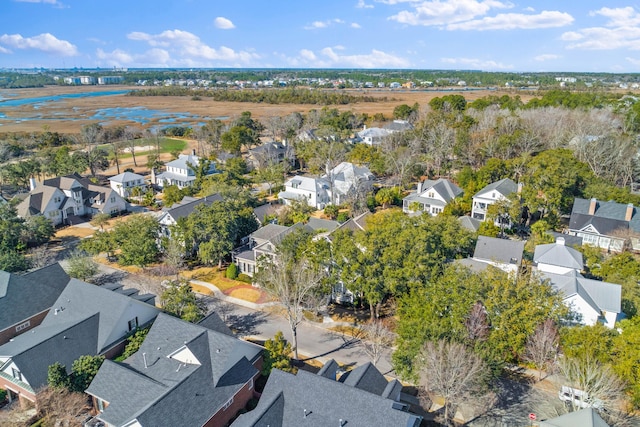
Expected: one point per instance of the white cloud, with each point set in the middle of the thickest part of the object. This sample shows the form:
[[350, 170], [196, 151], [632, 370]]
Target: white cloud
[[323, 24], [634, 61], [223, 23], [362, 5], [444, 12], [44, 42], [529, 9], [546, 57], [331, 57], [55, 3], [187, 49], [118, 58], [512, 21], [476, 63], [620, 31], [355, 25], [4, 50]]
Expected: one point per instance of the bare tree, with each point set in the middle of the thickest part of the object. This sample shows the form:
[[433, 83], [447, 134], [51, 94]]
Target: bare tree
[[450, 370], [542, 347], [591, 384], [61, 406], [375, 339], [41, 256], [294, 284], [130, 136], [477, 323]]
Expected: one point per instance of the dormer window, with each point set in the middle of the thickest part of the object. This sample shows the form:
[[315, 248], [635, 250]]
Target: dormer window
[[431, 195]]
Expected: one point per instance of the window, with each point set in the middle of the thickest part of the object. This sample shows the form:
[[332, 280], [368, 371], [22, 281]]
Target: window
[[22, 326], [251, 384], [133, 324], [113, 199], [16, 374], [431, 195], [436, 210], [226, 405], [100, 404]]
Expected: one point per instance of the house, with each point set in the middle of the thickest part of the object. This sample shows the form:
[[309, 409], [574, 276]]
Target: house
[[431, 196], [365, 398], [587, 417], [607, 225], [558, 258], [489, 195], [269, 153], [85, 320], [182, 375], [264, 213], [182, 171], [348, 179], [373, 136], [26, 299], [169, 216], [592, 300], [124, 183], [63, 198], [315, 191], [262, 242], [501, 253], [398, 126], [469, 223]]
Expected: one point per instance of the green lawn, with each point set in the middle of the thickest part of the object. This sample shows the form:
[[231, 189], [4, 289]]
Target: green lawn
[[167, 145]]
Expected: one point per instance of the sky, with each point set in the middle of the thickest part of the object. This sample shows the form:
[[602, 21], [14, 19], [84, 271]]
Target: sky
[[489, 35]]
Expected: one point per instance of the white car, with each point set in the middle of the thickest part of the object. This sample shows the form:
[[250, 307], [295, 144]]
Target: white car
[[578, 398]]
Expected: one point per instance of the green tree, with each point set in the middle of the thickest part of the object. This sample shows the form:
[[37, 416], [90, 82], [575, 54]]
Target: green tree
[[100, 220], [38, 230], [231, 272], [277, 355], [136, 238], [13, 261], [179, 300], [57, 376], [171, 194], [594, 341], [83, 370], [237, 137], [81, 265], [134, 342], [626, 357]]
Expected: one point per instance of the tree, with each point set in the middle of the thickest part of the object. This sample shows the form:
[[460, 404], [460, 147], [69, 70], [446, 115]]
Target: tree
[[375, 339], [626, 357], [597, 384], [100, 220], [134, 342], [171, 194], [57, 376], [81, 265], [277, 355], [136, 238], [542, 346], [451, 371], [83, 370], [38, 230], [237, 137], [179, 300], [477, 323], [59, 406], [294, 283]]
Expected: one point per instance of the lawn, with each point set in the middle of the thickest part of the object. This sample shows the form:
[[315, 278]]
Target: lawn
[[214, 276], [167, 145]]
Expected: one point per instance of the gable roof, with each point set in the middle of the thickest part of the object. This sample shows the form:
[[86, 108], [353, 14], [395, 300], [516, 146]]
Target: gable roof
[[318, 401], [445, 188], [126, 177], [322, 224], [469, 223], [607, 216], [558, 254], [587, 417], [24, 296], [505, 187], [268, 232], [181, 375], [601, 296], [366, 377], [188, 204], [499, 250]]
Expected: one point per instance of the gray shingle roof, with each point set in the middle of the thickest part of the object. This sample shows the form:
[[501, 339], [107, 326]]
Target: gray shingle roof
[[558, 254], [286, 397], [499, 250], [584, 418], [24, 296], [268, 232], [366, 377], [601, 296], [608, 216], [185, 208], [126, 177], [190, 371], [469, 223], [322, 224], [505, 187]]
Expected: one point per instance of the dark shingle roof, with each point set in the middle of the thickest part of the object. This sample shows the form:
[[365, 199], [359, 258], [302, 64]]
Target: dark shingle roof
[[24, 296], [191, 372], [286, 397], [587, 417], [366, 377], [181, 210], [499, 250], [608, 216]]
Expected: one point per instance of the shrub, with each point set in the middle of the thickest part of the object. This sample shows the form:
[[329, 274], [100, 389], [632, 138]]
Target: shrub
[[244, 278], [331, 211], [232, 271], [3, 395], [343, 217]]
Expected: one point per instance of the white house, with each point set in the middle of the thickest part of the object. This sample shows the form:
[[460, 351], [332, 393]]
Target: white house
[[504, 254], [124, 183], [557, 258], [181, 171], [62, 198], [315, 191], [373, 136], [348, 179], [431, 197], [489, 195], [170, 215], [592, 300]]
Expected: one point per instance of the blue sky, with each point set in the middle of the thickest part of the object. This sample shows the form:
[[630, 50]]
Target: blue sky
[[491, 35]]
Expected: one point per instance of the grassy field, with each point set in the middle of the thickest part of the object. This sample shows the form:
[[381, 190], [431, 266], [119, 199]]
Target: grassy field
[[167, 145]]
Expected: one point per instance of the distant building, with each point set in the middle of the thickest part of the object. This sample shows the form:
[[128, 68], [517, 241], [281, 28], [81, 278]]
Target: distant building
[[110, 80]]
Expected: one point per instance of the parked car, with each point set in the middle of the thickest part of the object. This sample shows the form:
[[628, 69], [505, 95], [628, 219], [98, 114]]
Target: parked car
[[578, 398]]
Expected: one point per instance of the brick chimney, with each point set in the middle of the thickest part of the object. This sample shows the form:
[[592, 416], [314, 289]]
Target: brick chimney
[[592, 206], [629, 213]]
